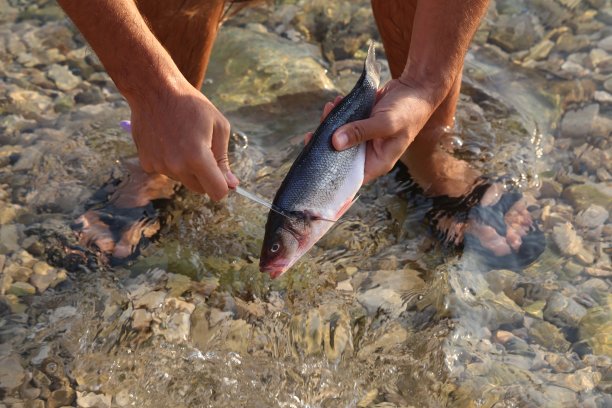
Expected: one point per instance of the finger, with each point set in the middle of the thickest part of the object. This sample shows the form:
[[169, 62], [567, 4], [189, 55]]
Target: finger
[[326, 109], [307, 137], [220, 143], [380, 159], [210, 176], [357, 132]]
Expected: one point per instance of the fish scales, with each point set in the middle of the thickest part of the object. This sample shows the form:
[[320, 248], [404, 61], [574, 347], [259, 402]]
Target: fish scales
[[320, 169], [321, 183]]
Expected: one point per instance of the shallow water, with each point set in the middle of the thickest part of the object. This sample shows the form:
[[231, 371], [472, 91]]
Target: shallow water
[[376, 314]]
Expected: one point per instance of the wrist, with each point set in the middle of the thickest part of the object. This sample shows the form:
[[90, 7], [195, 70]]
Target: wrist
[[430, 84]]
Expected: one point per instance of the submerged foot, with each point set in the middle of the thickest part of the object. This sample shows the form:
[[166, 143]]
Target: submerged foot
[[490, 222], [121, 215], [471, 212]]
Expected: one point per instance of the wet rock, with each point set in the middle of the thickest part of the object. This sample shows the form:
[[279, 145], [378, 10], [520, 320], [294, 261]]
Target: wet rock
[[548, 336], [93, 400], [602, 97], [21, 289], [12, 373], [559, 363], [596, 329], [599, 57], [42, 281], [141, 319], [268, 68], [63, 78], [536, 309], [29, 102], [386, 290], [514, 33], [61, 397], [608, 84], [151, 300], [594, 216], [599, 272], [566, 239], [392, 337], [550, 189], [581, 381], [540, 50], [8, 213], [37, 403], [567, 42], [29, 158], [561, 310], [581, 196], [579, 123], [511, 343], [178, 284], [9, 238]]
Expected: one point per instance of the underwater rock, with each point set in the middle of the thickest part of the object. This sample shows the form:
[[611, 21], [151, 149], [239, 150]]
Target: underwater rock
[[561, 310], [550, 189], [548, 336], [581, 196], [566, 238], [93, 400], [579, 123], [12, 373], [514, 33], [596, 328], [593, 217], [63, 78], [268, 68]]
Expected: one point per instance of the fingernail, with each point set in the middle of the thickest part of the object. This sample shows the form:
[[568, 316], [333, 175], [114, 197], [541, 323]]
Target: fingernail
[[231, 179], [341, 140]]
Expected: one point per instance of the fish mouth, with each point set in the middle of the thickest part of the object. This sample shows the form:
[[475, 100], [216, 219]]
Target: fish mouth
[[275, 269]]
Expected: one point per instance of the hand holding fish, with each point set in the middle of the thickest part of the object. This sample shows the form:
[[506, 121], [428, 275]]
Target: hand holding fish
[[401, 110]]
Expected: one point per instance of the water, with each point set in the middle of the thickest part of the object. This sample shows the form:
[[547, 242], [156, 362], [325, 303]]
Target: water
[[376, 314]]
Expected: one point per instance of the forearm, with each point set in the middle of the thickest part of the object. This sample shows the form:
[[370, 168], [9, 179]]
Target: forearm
[[136, 61], [441, 36]]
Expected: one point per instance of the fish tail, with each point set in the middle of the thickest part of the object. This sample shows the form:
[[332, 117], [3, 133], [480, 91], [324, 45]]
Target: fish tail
[[372, 68]]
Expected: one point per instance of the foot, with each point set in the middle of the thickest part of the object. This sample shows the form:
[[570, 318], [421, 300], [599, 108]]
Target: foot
[[121, 215], [469, 211]]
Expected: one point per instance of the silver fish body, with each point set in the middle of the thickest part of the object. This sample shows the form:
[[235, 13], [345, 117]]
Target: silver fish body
[[322, 182]]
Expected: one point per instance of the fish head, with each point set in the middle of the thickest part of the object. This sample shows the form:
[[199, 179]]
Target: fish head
[[285, 241]]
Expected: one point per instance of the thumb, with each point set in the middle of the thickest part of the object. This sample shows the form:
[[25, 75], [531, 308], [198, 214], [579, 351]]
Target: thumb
[[357, 132]]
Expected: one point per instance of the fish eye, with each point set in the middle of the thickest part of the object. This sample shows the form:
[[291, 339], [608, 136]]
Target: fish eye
[[275, 247]]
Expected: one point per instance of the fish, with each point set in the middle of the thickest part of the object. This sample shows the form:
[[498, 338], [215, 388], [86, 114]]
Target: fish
[[322, 182]]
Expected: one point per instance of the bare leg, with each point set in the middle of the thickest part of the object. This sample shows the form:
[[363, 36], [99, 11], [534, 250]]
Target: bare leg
[[187, 29], [436, 171]]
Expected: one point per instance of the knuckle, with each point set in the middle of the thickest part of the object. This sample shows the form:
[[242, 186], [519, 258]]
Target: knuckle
[[358, 134]]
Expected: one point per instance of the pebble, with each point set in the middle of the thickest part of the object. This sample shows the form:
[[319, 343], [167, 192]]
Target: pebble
[[566, 239], [63, 78], [578, 123], [594, 216], [61, 397], [548, 336], [561, 311], [550, 189], [581, 381], [141, 319], [93, 400], [602, 97], [22, 289], [12, 373], [151, 300], [9, 238], [581, 196]]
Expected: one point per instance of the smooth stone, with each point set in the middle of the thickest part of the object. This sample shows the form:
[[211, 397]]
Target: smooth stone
[[8, 212], [30, 157], [559, 363], [608, 85], [61, 313], [574, 68], [63, 78], [275, 67], [561, 310], [581, 196], [548, 336], [596, 329], [514, 33], [566, 239], [579, 123], [177, 284], [580, 381], [12, 373], [599, 272], [22, 289], [386, 290], [30, 102], [61, 397], [550, 189], [9, 238], [151, 300], [598, 57], [602, 97], [567, 42], [93, 400], [536, 309], [42, 282], [592, 217], [35, 403], [540, 50], [18, 273], [141, 319]]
